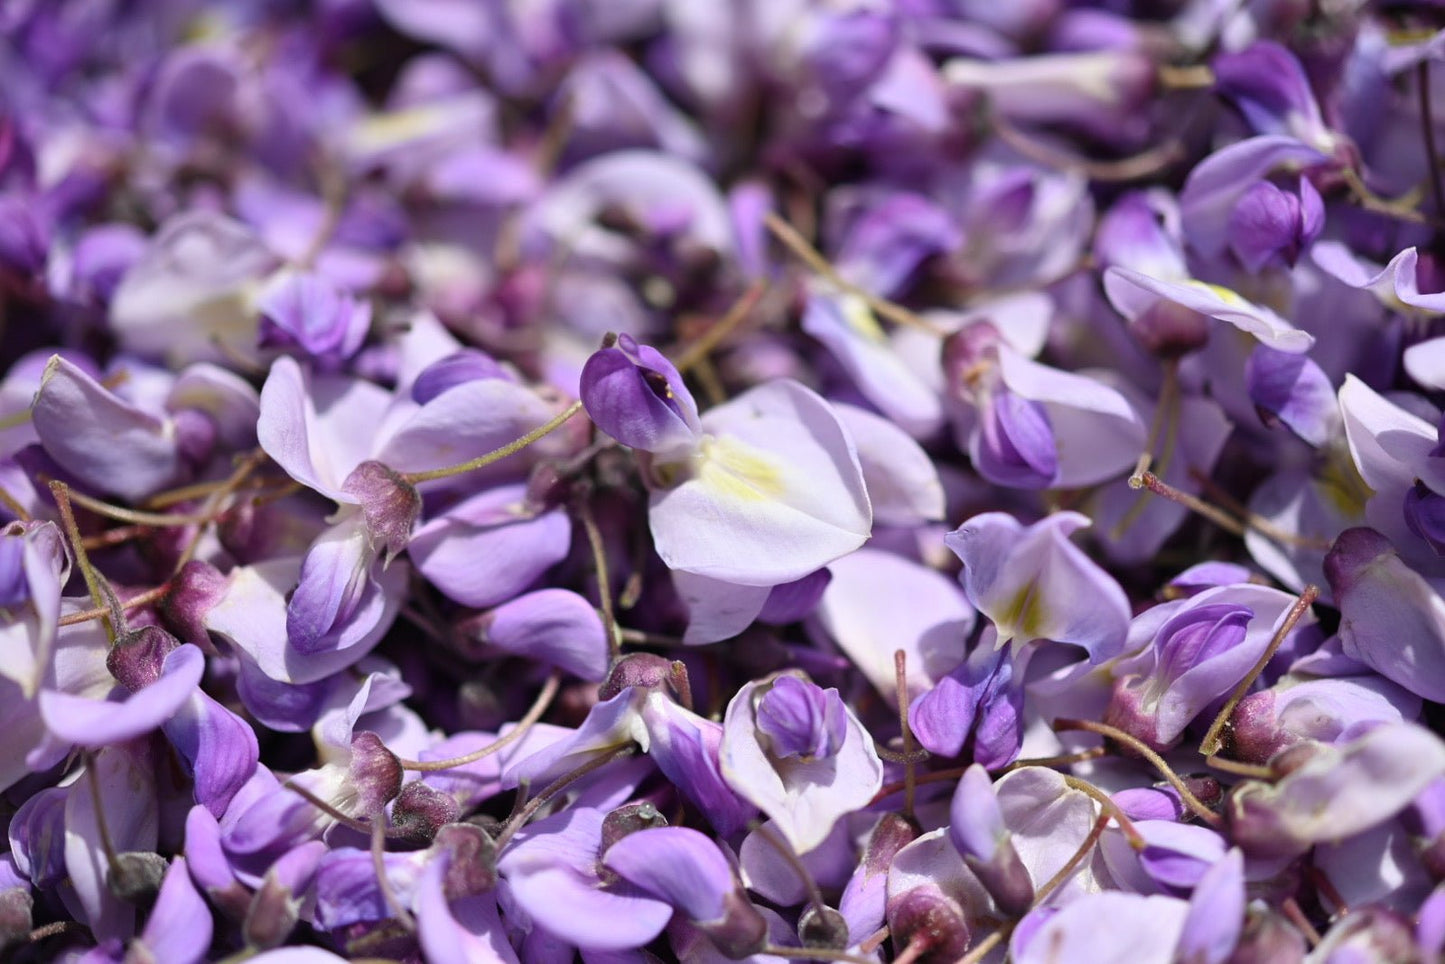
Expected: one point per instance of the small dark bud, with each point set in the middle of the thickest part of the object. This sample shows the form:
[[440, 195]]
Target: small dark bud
[[890, 835], [1006, 879], [420, 811], [473, 866], [823, 927], [628, 819], [925, 916], [195, 590], [375, 772], [389, 503], [644, 670], [743, 930], [547, 487], [136, 877], [16, 918], [138, 655]]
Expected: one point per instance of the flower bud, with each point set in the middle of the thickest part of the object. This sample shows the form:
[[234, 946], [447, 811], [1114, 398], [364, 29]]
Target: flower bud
[[800, 719], [823, 927], [473, 866], [135, 877], [924, 915], [194, 591], [628, 819], [375, 772], [420, 811], [635, 395], [389, 503], [643, 670], [138, 656]]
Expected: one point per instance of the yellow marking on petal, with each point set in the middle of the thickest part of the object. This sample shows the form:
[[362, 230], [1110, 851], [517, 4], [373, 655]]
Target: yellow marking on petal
[[737, 470], [1023, 617], [861, 320], [1230, 297], [381, 131]]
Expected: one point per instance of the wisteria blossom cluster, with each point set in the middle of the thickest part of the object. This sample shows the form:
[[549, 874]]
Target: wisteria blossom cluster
[[698, 480]]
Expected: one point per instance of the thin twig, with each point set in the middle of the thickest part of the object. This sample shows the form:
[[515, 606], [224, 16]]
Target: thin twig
[[533, 714], [496, 455], [519, 819], [700, 348], [810, 256], [1214, 739], [1110, 808], [900, 684], [1145, 751]]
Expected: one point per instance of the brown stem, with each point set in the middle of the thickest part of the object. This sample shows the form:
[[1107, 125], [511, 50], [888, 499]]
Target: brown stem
[[533, 714], [809, 255], [496, 455], [1152, 482], [900, 684], [1214, 739], [1139, 747], [1110, 808], [520, 818], [582, 507], [700, 348], [1067, 870]]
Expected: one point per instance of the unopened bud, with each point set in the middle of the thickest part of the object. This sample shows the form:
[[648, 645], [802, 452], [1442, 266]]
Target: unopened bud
[[136, 877], [420, 811], [473, 866], [138, 656], [375, 772], [823, 927]]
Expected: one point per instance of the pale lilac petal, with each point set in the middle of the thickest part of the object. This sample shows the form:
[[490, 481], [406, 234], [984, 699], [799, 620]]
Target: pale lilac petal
[[467, 421], [1216, 184], [1296, 390], [1096, 431], [491, 547], [335, 575], [104, 441], [127, 794], [679, 865], [96, 723], [463, 931], [1425, 362], [1390, 617], [780, 488], [552, 626], [879, 603], [1131, 292], [717, 610], [1396, 284], [803, 797], [847, 328], [313, 450], [1338, 792], [1107, 927], [1034, 583], [1216, 913], [179, 927], [226, 398], [902, 481], [192, 289]]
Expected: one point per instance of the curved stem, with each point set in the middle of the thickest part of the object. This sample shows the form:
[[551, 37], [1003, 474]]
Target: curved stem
[[900, 683], [383, 880], [981, 950], [810, 256], [1067, 870], [699, 349], [496, 455], [1159, 763], [520, 818], [1110, 808], [534, 713], [582, 506], [815, 896], [1214, 739], [95, 583]]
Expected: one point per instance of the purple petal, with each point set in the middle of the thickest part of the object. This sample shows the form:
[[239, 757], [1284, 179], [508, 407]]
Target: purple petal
[[104, 441], [218, 746], [554, 626], [779, 486], [179, 927], [636, 396], [96, 723], [1294, 388], [679, 865], [1216, 913]]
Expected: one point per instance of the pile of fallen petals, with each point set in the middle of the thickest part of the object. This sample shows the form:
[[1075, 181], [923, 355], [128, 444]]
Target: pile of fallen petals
[[695, 480]]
